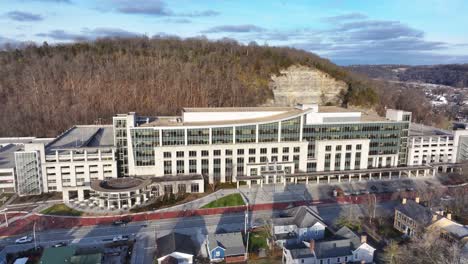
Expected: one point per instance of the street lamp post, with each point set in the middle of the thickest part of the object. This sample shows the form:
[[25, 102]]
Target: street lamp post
[[34, 235]]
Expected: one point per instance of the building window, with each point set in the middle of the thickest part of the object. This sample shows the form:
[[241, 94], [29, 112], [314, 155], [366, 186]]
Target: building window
[[167, 167], [252, 151], [263, 159], [251, 159], [240, 152], [192, 153], [179, 154], [358, 147], [285, 158], [194, 188], [246, 134], [181, 188], [263, 151], [296, 149], [274, 150], [338, 148], [222, 135], [328, 148], [180, 167], [228, 152], [204, 153], [193, 166], [217, 152], [285, 150], [198, 136], [205, 166], [167, 154], [349, 147], [253, 172]]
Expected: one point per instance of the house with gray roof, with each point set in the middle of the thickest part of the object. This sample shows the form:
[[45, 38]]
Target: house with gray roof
[[298, 225], [227, 247], [345, 246], [411, 217], [175, 248]]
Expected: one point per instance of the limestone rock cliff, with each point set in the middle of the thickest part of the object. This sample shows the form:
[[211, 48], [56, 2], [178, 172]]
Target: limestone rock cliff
[[301, 84]]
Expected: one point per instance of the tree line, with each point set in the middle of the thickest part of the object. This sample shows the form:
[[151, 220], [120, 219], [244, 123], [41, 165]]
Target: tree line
[[45, 89]]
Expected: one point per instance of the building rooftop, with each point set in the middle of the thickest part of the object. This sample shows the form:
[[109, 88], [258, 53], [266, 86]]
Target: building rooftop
[[83, 137], [175, 242], [178, 121], [341, 244], [458, 230], [7, 155], [232, 243], [119, 184], [423, 130], [416, 211], [301, 217], [278, 113], [237, 109]]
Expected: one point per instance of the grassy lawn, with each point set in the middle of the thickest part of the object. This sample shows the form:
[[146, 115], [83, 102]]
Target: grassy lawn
[[257, 240], [61, 209], [234, 199]]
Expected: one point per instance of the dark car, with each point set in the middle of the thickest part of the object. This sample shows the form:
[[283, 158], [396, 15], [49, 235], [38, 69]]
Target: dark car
[[120, 222]]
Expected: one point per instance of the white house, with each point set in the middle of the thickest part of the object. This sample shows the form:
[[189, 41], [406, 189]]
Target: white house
[[345, 246], [301, 224]]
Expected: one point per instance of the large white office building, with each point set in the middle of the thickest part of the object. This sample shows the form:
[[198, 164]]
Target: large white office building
[[256, 145]]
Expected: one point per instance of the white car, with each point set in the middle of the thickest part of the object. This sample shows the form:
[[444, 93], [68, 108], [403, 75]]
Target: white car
[[23, 240], [120, 238]]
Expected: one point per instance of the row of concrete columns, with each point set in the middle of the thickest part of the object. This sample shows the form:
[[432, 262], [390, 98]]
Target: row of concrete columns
[[328, 178]]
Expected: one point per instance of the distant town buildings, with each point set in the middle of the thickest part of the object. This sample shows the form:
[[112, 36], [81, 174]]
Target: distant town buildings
[[136, 158]]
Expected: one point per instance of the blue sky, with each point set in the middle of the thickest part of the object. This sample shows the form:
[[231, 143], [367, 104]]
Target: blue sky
[[346, 32]]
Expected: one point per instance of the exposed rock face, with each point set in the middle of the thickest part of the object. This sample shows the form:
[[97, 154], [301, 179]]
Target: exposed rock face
[[300, 84]]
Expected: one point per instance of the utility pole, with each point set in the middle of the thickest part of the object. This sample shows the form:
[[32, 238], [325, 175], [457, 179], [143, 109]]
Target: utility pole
[[247, 234], [34, 235]]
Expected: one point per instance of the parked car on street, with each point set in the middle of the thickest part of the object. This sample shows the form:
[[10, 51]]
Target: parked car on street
[[23, 240], [59, 244], [120, 238]]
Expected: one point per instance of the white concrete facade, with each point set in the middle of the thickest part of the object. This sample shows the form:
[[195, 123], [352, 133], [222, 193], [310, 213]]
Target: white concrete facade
[[7, 180]]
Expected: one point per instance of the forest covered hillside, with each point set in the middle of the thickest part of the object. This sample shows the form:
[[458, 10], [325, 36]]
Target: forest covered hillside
[[46, 89]]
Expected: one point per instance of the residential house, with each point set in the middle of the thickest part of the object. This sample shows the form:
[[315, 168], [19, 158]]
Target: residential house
[[450, 230], [345, 246], [411, 217], [300, 224], [228, 247], [175, 248]]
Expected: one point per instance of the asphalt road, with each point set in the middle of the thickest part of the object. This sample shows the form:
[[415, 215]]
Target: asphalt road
[[145, 233]]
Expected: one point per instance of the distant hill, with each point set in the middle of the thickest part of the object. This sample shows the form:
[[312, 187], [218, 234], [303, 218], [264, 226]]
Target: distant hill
[[455, 75], [46, 89]]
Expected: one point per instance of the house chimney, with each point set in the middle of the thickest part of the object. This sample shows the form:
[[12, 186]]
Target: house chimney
[[403, 201], [449, 216], [363, 239], [416, 199], [312, 246]]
